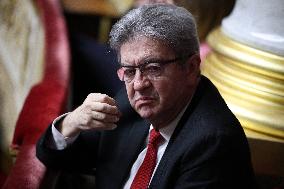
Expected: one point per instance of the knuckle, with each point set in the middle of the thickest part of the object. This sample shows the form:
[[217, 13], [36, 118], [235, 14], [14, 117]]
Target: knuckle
[[97, 124], [92, 94], [89, 95], [97, 115], [87, 106], [104, 97], [103, 116], [104, 108], [101, 107], [92, 97]]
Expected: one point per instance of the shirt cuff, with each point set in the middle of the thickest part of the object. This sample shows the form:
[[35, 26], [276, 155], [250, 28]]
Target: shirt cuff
[[59, 141]]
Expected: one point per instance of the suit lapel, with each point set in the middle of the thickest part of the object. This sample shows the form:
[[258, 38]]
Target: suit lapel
[[177, 139], [132, 145]]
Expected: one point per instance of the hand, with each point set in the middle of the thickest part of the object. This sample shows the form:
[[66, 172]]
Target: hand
[[98, 112]]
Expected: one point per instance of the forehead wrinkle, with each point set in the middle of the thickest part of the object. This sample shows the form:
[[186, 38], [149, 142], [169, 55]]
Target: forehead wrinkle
[[150, 49]]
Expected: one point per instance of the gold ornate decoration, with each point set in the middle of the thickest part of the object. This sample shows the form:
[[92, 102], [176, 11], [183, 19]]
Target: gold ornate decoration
[[251, 82], [109, 8]]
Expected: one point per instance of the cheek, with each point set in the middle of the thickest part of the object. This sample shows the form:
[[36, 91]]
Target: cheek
[[130, 94], [165, 98], [169, 91], [164, 91]]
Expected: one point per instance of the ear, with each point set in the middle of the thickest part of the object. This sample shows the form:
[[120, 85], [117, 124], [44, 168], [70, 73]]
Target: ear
[[120, 73], [193, 65]]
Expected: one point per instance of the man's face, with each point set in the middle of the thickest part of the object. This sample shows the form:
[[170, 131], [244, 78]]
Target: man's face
[[159, 100]]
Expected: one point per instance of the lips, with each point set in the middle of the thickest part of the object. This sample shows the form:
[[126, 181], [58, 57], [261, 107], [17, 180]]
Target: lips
[[141, 101]]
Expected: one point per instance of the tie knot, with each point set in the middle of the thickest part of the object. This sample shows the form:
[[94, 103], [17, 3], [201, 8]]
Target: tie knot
[[155, 137]]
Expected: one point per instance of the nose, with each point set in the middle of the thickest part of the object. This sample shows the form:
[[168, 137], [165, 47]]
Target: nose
[[140, 82]]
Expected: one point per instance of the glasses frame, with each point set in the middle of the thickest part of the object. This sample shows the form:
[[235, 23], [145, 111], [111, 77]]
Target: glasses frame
[[120, 71]]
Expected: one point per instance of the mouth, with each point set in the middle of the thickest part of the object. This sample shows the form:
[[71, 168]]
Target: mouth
[[142, 101]]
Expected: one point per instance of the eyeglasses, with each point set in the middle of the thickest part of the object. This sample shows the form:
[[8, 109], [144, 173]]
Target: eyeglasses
[[151, 70]]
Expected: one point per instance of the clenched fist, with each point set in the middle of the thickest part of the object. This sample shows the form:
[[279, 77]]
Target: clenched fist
[[98, 112]]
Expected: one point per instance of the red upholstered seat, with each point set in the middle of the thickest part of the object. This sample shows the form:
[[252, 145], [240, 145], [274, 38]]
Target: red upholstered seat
[[44, 102]]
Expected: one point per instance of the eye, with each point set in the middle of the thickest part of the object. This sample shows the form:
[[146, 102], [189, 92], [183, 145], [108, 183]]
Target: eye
[[129, 72], [152, 68]]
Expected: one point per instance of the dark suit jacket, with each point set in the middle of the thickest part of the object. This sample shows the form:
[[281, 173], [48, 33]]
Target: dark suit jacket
[[208, 148]]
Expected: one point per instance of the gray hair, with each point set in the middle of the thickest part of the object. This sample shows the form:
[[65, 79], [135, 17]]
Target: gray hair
[[170, 24]]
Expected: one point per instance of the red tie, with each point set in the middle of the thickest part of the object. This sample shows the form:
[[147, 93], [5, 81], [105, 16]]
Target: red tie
[[144, 173]]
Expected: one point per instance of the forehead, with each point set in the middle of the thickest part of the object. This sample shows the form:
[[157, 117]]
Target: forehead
[[142, 49]]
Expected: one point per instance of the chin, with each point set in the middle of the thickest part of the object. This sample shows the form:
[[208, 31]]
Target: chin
[[146, 112]]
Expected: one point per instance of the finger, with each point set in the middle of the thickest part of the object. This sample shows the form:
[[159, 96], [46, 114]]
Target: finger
[[98, 125], [105, 108], [106, 118], [98, 97], [88, 123]]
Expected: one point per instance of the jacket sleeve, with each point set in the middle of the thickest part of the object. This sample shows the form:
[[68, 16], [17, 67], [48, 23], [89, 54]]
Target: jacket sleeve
[[79, 156]]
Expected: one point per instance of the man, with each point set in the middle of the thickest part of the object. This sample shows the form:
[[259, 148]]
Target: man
[[184, 137]]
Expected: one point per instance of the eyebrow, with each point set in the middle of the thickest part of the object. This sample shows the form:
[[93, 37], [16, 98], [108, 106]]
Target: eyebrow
[[150, 60]]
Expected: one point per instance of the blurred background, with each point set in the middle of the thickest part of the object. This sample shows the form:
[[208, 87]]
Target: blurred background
[[54, 53]]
